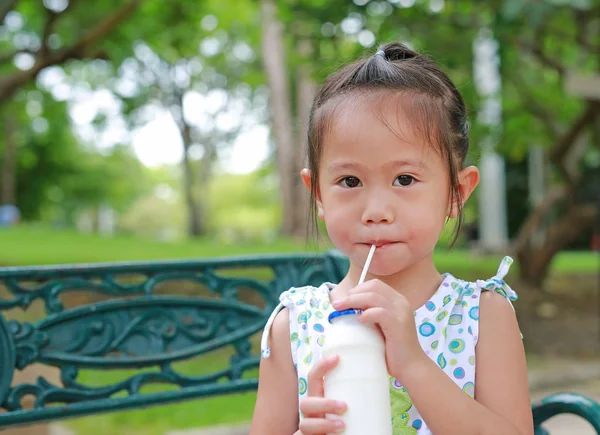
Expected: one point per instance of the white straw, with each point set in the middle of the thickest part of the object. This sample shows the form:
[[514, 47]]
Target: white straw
[[367, 263]]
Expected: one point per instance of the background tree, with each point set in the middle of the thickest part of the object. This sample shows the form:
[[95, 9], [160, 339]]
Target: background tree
[[545, 43]]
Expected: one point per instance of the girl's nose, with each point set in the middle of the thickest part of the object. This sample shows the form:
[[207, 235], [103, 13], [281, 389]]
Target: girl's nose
[[378, 211]]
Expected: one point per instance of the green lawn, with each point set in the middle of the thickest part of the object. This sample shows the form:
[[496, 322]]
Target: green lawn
[[158, 420], [38, 245], [33, 245]]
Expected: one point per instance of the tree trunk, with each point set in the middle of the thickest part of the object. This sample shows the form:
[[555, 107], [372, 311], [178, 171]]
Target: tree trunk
[[195, 221], [207, 163], [534, 261], [273, 56], [305, 92], [9, 160]]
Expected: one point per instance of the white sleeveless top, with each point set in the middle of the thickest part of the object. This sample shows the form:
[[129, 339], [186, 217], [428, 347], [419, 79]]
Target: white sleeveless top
[[447, 329]]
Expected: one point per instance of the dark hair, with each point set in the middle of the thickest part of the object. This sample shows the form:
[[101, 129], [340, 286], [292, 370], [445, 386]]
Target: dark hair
[[436, 106]]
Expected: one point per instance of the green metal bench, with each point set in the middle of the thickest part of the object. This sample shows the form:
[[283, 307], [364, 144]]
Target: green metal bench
[[144, 320]]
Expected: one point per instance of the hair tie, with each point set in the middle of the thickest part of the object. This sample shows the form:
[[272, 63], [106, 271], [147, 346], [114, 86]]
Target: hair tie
[[380, 53]]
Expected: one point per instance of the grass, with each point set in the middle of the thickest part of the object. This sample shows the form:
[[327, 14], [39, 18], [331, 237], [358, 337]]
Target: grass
[[585, 262], [36, 245], [158, 420], [27, 245]]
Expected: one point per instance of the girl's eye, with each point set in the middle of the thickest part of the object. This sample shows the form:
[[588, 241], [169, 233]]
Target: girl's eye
[[404, 180], [350, 182]]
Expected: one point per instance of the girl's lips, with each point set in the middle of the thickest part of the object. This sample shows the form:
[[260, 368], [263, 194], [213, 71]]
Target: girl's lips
[[381, 244]]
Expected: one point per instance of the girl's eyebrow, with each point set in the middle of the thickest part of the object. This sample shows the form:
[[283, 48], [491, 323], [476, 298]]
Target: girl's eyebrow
[[391, 164], [344, 165]]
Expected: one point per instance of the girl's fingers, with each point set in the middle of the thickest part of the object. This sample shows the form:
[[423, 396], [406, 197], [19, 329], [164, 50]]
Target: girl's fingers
[[383, 294], [317, 407], [374, 286], [320, 426], [381, 317], [317, 373], [362, 301]]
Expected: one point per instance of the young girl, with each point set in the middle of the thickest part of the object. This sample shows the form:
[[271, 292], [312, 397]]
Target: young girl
[[387, 141]]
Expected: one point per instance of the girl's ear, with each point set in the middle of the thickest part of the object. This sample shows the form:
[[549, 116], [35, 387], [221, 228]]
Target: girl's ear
[[307, 180], [468, 179]]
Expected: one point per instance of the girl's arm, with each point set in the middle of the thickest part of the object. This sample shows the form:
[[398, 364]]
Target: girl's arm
[[502, 405], [501, 383], [276, 409]]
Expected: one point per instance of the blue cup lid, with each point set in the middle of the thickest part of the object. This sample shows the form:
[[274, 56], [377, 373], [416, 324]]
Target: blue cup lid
[[337, 314]]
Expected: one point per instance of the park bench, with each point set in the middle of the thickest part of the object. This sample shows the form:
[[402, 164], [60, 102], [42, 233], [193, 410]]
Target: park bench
[[145, 319]]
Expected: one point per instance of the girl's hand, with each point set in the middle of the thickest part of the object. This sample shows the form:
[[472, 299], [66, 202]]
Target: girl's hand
[[315, 406], [388, 309]]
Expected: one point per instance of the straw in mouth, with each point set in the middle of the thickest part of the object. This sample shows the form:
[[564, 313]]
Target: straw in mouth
[[367, 264]]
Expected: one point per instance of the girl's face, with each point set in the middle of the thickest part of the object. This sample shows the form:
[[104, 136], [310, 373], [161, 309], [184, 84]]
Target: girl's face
[[384, 185]]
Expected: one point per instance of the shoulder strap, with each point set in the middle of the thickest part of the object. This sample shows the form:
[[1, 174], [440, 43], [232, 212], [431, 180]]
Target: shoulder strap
[[497, 283], [287, 299], [265, 350]]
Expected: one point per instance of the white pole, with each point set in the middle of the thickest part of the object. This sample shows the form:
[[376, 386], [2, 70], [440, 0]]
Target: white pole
[[492, 195]]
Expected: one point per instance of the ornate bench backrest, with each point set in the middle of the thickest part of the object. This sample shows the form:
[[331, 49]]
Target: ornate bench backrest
[[138, 319]]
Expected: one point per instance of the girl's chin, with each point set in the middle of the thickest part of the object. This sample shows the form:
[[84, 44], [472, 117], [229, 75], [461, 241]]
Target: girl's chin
[[382, 267], [384, 271]]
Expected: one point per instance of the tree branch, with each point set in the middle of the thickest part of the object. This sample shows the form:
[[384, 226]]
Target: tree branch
[[545, 60], [559, 151], [579, 37], [540, 111], [537, 49], [542, 58], [535, 218], [51, 18], [106, 26], [8, 6], [582, 19], [576, 220], [80, 50], [596, 134], [564, 143], [566, 230]]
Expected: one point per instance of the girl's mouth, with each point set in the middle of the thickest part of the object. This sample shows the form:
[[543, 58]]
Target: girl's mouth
[[381, 244]]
